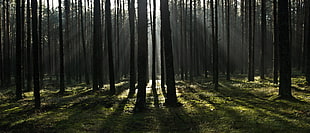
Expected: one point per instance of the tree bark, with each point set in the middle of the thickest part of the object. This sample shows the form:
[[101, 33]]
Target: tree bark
[[18, 52], [284, 47], [35, 50], [131, 9], [142, 55], [165, 20], [61, 52], [109, 41]]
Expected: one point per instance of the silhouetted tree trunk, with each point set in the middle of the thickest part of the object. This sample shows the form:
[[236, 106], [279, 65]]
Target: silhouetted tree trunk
[[67, 41], [6, 47], [1, 63], [97, 47], [242, 34], [29, 68], [275, 43], [214, 24], [204, 39], [285, 52], [251, 52], [307, 36], [35, 50], [142, 54], [84, 44], [263, 26], [131, 9], [41, 74], [191, 43], [18, 52], [49, 39], [228, 38], [61, 52], [165, 20], [154, 51], [109, 41]]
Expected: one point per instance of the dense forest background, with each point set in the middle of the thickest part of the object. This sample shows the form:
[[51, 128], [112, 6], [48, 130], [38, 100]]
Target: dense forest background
[[171, 60]]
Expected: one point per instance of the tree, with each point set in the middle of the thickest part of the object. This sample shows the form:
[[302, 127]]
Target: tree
[[165, 20], [35, 50], [154, 51], [275, 43], [61, 52], [228, 38], [83, 43], [67, 41], [1, 63], [285, 52], [307, 28], [251, 46], [131, 9], [109, 41], [142, 55], [18, 79], [97, 45], [29, 68], [262, 53], [214, 26]]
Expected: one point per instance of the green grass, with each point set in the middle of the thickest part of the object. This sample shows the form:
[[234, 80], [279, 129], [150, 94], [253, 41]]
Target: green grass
[[237, 106]]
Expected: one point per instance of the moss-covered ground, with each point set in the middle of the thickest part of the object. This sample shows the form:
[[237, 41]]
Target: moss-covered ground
[[237, 106]]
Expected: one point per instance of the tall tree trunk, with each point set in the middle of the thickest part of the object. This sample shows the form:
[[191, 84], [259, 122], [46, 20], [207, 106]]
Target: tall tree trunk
[[109, 41], [307, 36], [41, 74], [84, 44], [228, 38], [263, 26], [67, 41], [61, 52], [204, 39], [214, 10], [191, 41], [165, 20], [1, 63], [131, 9], [154, 54], [49, 40], [275, 43], [142, 54], [35, 50], [29, 68], [250, 63], [18, 52], [284, 47], [97, 47]]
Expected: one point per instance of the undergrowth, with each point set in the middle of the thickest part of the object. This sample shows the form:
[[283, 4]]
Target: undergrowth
[[237, 106]]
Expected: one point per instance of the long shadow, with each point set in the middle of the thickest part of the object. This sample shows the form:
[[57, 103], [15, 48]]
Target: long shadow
[[240, 121]]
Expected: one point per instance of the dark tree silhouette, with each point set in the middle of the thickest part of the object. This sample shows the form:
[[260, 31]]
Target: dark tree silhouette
[[83, 43], [108, 24], [165, 20], [97, 45], [263, 31], [18, 79], [29, 68], [275, 43], [131, 9], [285, 52], [35, 50], [251, 45], [61, 52], [228, 39], [307, 29], [142, 54]]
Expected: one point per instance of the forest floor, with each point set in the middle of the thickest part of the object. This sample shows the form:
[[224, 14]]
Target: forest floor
[[237, 106]]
